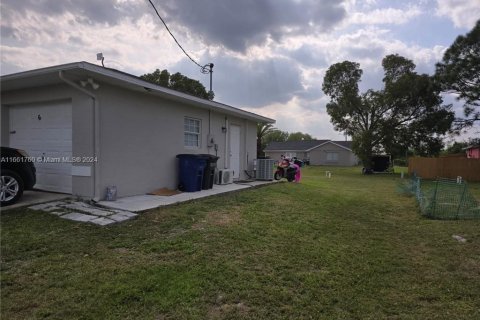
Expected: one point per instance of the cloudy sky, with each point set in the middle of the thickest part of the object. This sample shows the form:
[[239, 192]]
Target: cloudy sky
[[270, 56]]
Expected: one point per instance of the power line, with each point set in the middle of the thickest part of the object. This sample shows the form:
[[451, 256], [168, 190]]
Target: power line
[[201, 67], [206, 69]]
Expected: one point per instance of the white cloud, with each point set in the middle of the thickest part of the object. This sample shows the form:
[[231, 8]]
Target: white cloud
[[385, 16], [133, 46], [463, 13]]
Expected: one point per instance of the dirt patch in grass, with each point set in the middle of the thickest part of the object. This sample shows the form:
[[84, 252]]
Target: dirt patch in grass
[[470, 267], [122, 250], [221, 218], [225, 309]]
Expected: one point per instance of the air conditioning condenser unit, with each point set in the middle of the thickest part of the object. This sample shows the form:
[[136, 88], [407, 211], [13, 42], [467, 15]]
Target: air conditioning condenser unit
[[224, 176], [264, 169]]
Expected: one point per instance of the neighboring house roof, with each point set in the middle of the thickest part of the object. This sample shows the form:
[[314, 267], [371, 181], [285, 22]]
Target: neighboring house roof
[[345, 144], [305, 145], [79, 70], [302, 145]]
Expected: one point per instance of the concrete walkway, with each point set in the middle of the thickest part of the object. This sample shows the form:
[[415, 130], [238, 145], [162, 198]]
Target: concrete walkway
[[108, 212], [83, 212], [146, 202]]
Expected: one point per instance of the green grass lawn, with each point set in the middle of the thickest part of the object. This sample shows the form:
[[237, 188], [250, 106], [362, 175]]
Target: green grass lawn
[[349, 247]]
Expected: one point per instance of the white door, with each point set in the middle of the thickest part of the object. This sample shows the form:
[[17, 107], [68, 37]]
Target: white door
[[235, 150], [44, 130]]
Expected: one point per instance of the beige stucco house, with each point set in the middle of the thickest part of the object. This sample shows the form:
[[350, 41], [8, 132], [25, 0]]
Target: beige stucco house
[[89, 127], [318, 152]]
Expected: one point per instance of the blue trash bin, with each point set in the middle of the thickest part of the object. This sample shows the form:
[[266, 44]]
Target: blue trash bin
[[191, 171]]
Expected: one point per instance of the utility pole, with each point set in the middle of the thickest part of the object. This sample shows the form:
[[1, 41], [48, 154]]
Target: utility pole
[[208, 68]]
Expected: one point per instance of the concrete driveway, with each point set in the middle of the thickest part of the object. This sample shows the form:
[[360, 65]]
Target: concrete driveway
[[32, 197]]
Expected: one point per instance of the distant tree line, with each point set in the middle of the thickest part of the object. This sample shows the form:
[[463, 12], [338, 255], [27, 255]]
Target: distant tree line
[[267, 133], [460, 146]]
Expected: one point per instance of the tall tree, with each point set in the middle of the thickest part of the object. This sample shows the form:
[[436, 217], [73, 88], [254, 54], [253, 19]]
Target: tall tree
[[263, 129], [276, 135], [178, 82], [456, 147], [272, 135], [161, 78], [408, 110], [459, 73]]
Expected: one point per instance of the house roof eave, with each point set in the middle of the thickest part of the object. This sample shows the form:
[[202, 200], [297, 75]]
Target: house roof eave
[[14, 81], [266, 150]]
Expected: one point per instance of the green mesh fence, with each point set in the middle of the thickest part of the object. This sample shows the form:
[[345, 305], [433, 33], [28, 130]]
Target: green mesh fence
[[442, 199]]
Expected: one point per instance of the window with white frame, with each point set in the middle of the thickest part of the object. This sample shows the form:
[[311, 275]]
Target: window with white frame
[[332, 156], [191, 128]]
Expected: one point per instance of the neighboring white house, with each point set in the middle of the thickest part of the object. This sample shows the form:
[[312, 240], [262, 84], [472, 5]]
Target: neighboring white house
[[90, 127], [318, 152]]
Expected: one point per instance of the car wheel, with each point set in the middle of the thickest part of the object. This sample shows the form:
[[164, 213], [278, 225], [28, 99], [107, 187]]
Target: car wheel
[[277, 176], [11, 187]]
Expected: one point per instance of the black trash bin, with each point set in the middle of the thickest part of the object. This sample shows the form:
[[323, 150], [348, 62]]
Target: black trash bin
[[380, 163], [209, 171]]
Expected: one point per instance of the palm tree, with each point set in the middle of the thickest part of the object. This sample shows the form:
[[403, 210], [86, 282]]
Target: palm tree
[[262, 130]]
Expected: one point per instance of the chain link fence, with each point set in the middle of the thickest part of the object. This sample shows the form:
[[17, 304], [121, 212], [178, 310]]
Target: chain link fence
[[443, 198]]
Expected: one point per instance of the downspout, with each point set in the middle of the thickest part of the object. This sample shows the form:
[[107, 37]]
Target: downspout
[[209, 136], [227, 152], [245, 144], [96, 140], [209, 122]]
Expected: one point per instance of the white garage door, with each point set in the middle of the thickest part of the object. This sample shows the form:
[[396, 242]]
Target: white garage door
[[44, 130]]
